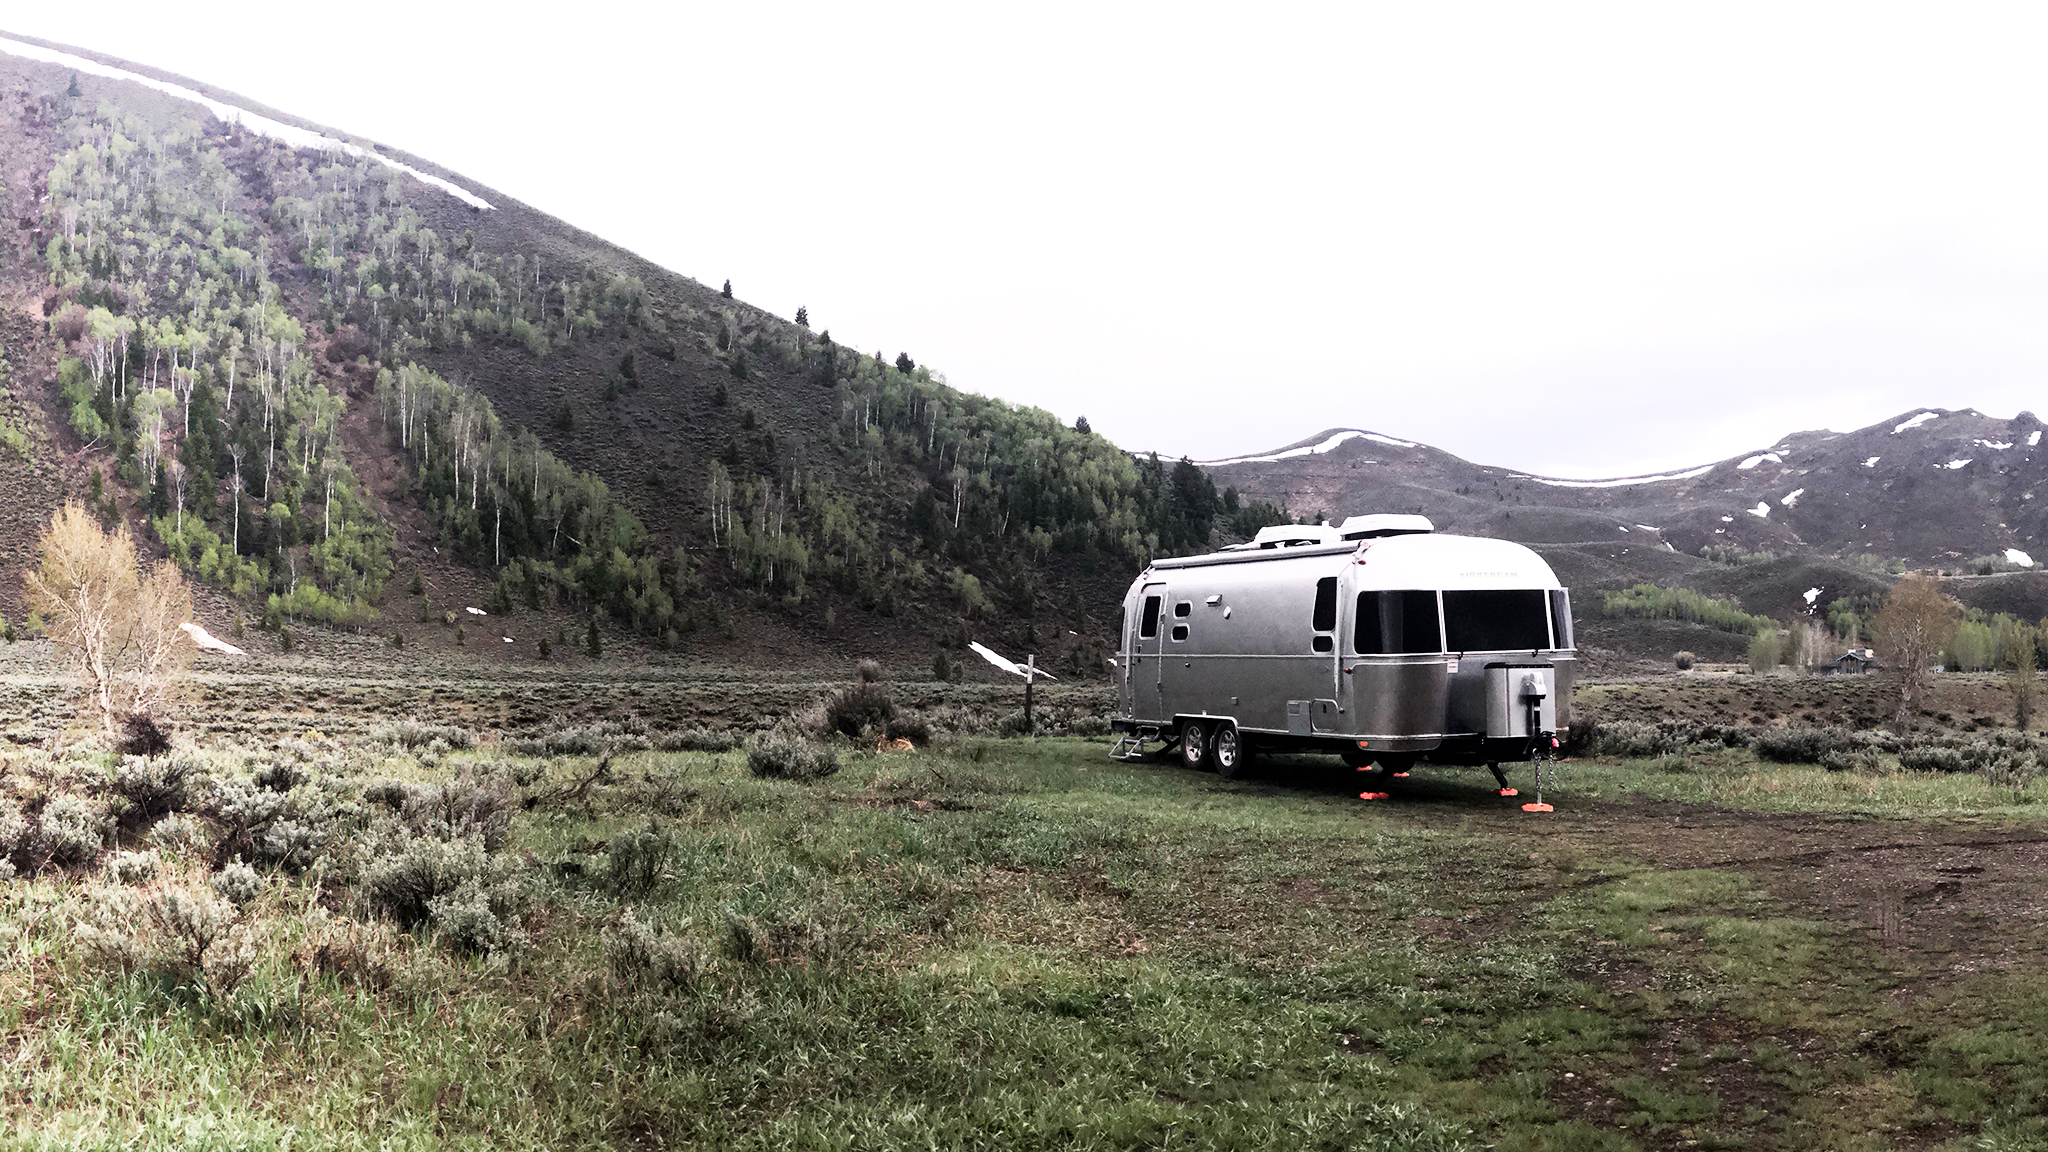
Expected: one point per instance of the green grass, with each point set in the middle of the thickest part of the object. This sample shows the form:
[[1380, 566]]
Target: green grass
[[1736, 779], [1025, 945]]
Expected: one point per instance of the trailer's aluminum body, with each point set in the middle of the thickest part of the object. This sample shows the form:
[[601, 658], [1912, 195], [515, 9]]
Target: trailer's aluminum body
[[1465, 653]]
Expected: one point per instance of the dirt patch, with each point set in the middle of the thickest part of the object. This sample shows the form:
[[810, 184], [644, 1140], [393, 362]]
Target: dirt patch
[[1936, 897]]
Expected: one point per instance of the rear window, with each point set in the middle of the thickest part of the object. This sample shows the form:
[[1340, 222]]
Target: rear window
[[1497, 619], [1391, 623]]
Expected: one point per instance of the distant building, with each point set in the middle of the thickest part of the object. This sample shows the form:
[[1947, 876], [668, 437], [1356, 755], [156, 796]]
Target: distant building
[[1854, 662]]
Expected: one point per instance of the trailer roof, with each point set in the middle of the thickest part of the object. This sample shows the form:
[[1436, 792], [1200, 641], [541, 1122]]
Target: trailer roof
[[1420, 560], [1452, 562]]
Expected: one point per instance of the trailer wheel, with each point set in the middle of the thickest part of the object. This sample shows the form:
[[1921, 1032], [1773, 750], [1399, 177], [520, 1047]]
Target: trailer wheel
[[1227, 750], [1355, 757], [1194, 745]]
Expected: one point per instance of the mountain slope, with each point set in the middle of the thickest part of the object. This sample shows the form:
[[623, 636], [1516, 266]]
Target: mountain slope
[[388, 376], [1930, 487]]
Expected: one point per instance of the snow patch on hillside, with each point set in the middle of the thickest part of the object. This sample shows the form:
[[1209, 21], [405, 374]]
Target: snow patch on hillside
[[228, 113], [1624, 481], [1759, 458], [2018, 557], [2034, 441], [1762, 511], [1792, 497], [1314, 449], [1955, 464], [1994, 445], [1872, 462], [1915, 422]]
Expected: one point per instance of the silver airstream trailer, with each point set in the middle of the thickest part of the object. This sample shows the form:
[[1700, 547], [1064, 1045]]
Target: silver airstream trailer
[[1378, 640]]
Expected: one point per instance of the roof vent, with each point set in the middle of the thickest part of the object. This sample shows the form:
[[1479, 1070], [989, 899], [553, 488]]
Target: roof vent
[[1292, 536], [1384, 524]]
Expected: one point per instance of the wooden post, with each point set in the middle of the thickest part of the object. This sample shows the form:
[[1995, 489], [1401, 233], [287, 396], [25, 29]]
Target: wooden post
[[1030, 678]]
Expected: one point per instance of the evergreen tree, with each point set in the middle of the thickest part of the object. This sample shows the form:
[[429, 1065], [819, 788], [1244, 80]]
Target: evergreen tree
[[727, 290], [905, 364], [74, 90], [1081, 425], [803, 317], [739, 366], [594, 644]]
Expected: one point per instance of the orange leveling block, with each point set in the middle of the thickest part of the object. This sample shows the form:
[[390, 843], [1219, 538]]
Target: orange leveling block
[[1372, 795]]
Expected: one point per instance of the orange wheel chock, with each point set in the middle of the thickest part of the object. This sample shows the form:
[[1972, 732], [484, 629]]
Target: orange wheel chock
[[1372, 795], [1506, 792], [1537, 808]]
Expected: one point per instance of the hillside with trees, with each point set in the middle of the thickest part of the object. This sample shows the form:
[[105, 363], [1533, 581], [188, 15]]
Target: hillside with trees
[[319, 382]]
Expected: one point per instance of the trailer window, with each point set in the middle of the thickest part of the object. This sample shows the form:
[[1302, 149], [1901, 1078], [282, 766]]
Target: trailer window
[[1390, 623], [1326, 604], [1322, 644], [1148, 624], [1182, 608], [1180, 632], [1497, 619], [1561, 618]]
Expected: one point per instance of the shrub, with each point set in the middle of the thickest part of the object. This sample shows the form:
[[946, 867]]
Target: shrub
[[1634, 740], [1799, 744], [1685, 661], [865, 707], [1932, 758], [1864, 760], [868, 672], [177, 833], [286, 830], [476, 918], [150, 788], [412, 734], [636, 861], [132, 867], [279, 777], [238, 884], [697, 740], [588, 739], [1583, 738], [785, 755], [471, 806], [72, 830], [812, 936], [1648, 601], [140, 736], [643, 956], [909, 725], [403, 874], [389, 793]]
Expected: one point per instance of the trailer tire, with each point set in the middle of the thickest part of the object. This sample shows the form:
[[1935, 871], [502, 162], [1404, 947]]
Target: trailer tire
[[1194, 745], [1355, 757], [1227, 750]]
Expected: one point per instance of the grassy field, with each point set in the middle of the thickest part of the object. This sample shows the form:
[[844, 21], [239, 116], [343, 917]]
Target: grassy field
[[1013, 944]]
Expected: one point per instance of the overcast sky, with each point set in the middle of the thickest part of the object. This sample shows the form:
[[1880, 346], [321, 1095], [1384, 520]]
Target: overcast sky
[[1585, 240]]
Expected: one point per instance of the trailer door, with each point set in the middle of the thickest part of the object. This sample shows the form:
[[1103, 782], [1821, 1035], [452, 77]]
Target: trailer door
[[1145, 640]]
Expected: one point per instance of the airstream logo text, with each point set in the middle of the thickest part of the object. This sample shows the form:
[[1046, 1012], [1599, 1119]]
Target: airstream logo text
[[1509, 575]]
